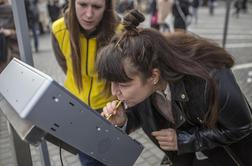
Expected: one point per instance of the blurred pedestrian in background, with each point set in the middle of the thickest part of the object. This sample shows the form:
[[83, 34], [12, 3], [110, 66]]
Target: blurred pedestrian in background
[[43, 16], [237, 6], [87, 26], [124, 6], [54, 10], [244, 6], [211, 6], [181, 91], [154, 15], [33, 20], [8, 38], [195, 5], [164, 8], [180, 11]]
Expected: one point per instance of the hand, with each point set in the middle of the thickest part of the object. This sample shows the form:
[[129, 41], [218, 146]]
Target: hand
[[7, 32], [117, 116], [167, 139]]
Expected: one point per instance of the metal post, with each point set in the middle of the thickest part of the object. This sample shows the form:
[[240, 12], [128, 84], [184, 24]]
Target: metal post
[[228, 6], [21, 149], [22, 31], [44, 154]]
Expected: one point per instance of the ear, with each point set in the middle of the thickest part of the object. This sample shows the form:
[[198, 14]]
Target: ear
[[155, 76]]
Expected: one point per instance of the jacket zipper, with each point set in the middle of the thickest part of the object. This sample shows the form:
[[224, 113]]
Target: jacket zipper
[[91, 81], [87, 57], [232, 156], [185, 114], [89, 93]]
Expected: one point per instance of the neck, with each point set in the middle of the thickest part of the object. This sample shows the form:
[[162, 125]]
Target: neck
[[90, 33]]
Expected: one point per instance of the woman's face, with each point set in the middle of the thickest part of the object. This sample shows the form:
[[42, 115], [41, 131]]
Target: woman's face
[[89, 13], [134, 91]]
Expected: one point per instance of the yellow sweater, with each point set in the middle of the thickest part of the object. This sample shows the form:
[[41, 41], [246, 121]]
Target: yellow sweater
[[93, 89]]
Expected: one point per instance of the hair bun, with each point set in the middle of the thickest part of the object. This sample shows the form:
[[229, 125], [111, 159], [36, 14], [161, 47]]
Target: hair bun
[[132, 19]]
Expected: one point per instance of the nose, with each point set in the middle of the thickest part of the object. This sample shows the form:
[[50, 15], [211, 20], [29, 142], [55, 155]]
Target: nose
[[89, 12], [115, 89]]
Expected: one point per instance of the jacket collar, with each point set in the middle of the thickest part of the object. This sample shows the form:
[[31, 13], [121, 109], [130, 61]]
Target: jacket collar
[[89, 34], [178, 92], [178, 95]]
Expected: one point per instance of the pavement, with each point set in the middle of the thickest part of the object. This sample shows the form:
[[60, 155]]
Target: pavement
[[239, 44]]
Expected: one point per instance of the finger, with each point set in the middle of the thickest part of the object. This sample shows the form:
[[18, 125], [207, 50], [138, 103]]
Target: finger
[[108, 109], [170, 138], [161, 138], [156, 133], [168, 148], [171, 130], [161, 143], [111, 106], [104, 112], [163, 133]]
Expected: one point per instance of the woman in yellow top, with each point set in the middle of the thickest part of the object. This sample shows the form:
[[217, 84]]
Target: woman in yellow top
[[87, 26]]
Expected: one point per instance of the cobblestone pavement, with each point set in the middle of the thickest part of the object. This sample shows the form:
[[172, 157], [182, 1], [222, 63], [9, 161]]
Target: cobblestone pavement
[[239, 44]]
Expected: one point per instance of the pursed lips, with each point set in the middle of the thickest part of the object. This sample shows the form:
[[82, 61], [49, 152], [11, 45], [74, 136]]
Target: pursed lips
[[88, 22]]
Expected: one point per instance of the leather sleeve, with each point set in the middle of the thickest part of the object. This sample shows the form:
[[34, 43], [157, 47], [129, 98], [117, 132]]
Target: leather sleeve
[[234, 122], [58, 54], [133, 119]]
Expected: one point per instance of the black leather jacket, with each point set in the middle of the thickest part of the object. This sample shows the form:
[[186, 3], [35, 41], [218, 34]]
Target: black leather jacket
[[189, 104]]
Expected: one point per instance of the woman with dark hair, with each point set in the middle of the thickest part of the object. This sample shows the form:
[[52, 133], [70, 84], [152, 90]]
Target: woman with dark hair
[[181, 91], [87, 26]]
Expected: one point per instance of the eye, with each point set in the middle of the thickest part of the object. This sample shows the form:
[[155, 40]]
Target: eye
[[97, 6], [123, 85], [82, 4]]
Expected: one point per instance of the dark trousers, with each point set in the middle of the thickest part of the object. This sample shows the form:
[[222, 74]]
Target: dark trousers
[[190, 160], [35, 37], [215, 157], [86, 160]]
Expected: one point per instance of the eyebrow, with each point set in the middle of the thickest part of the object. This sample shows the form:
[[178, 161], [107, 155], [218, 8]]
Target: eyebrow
[[92, 3]]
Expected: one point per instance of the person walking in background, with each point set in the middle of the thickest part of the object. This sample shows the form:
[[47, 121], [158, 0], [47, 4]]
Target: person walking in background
[[211, 5], [164, 8], [244, 6], [124, 6], [43, 16], [195, 5], [181, 91], [237, 6], [87, 26], [8, 38], [31, 9], [154, 15], [54, 10], [180, 11]]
